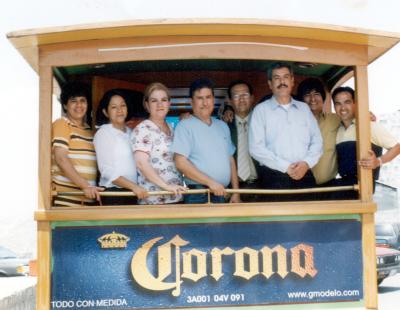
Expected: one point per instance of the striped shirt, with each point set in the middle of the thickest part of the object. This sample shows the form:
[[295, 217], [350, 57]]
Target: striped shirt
[[346, 147], [78, 141]]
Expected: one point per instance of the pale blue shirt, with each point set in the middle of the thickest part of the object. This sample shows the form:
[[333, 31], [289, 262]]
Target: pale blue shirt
[[280, 137], [208, 147]]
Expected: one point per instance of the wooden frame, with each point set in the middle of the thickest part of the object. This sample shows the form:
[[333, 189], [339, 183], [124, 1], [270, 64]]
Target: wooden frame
[[197, 39]]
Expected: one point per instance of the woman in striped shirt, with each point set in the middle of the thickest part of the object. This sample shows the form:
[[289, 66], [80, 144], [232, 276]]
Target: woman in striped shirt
[[74, 165]]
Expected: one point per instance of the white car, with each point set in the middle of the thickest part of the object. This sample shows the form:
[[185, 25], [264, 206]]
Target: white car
[[387, 262], [11, 264]]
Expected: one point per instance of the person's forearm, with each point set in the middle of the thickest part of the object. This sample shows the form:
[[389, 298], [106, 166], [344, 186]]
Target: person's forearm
[[391, 154], [257, 148], [234, 175], [190, 171], [124, 183], [69, 171], [150, 174], [265, 156]]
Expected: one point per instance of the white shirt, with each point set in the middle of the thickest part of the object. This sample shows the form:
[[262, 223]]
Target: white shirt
[[114, 155]]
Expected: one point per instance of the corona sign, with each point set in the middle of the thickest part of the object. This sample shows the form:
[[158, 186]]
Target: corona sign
[[206, 265], [194, 263]]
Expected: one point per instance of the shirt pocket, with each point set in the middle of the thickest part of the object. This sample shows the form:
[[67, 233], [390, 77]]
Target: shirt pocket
[[301, 131]]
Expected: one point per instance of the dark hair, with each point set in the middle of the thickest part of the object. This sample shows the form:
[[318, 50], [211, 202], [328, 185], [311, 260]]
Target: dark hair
[[74, 89], [199, 84], [101, 118], [77, 89], [238, 82], [308, 85], [343, 89], [278, 65]]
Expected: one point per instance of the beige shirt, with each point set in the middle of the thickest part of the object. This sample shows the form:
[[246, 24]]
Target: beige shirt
[[380, 136], [327, 168]]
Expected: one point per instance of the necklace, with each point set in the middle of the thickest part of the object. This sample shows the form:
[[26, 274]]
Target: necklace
[[163, 127]]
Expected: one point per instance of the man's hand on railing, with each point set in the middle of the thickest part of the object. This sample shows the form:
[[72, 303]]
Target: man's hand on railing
[[216, 188]]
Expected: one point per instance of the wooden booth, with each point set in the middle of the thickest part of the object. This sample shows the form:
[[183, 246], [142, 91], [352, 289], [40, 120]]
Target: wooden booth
[[286, 255]]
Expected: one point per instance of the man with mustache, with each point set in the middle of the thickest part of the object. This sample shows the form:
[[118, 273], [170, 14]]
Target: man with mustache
[[284, 137]]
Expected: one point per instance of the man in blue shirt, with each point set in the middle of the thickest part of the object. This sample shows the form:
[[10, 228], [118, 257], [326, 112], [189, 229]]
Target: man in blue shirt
[[203, 148], [284, 137]]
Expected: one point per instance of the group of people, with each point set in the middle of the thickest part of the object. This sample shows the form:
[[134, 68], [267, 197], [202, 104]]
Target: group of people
[[282, 143], [149, 158]]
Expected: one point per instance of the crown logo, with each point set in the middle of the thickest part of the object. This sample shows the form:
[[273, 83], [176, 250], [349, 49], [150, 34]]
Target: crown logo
[[113, 241]]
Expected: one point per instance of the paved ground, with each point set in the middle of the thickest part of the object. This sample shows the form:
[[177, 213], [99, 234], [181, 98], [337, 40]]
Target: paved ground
[[389, 293], [17, 293], [11, 285]]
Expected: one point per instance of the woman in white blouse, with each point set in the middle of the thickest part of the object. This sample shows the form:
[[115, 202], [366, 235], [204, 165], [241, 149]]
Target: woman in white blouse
[[151, 143], [113, 150]]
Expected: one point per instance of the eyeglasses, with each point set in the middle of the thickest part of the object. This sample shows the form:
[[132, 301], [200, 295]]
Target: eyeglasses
[[238, 96]]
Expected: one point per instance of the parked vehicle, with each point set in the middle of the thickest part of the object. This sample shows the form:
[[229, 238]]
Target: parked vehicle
[[387, 234], [11, 264], [387, 262]]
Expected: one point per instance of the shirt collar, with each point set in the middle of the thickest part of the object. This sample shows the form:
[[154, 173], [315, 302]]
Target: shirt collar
[[203, 122], [85, 125], [353, 122], [321, 115], [275, 103], [110, 127], [239, 119]]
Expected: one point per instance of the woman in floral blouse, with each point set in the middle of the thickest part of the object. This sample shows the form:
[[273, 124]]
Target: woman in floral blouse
[[151, 143]]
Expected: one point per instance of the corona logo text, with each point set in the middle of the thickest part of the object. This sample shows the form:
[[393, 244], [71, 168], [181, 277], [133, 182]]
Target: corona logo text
[[192, 264]]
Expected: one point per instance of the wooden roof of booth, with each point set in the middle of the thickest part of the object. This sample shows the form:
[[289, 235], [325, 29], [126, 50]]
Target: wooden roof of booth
[[27, 42]]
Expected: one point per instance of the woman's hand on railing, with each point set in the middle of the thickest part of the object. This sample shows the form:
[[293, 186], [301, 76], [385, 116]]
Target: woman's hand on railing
[[92, 192], [140, 192], [176, 189]]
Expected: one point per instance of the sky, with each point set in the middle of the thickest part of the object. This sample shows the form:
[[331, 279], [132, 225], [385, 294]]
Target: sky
[[19, 83]]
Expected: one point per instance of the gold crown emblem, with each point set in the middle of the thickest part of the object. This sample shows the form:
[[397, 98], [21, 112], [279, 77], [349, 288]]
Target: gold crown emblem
[[113, 241]]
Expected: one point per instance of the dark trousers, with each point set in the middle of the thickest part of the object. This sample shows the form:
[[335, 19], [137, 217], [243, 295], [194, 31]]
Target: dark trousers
[[249, 185], [201, 198], [343, 195], [118, 201], [273, 179]]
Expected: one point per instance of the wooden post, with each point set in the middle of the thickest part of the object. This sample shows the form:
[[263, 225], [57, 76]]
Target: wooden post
[[44, 266], [45, 117], [363, 131], [369, 257], [366, 188], [44, 230]]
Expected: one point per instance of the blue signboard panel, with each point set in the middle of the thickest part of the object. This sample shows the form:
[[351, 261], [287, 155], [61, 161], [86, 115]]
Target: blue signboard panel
[[200, 265]]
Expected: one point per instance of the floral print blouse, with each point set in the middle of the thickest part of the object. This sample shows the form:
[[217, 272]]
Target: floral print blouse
[[149, 138]]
